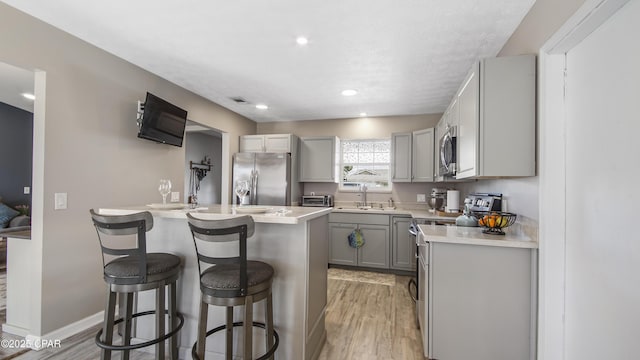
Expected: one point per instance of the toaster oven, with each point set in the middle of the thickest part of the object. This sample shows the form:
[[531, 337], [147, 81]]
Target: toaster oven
[[317, 200]]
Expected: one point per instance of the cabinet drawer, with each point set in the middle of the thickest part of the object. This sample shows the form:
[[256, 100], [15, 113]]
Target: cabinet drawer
[[375, 219]]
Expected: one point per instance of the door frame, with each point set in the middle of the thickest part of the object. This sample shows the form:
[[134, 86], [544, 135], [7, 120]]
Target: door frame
[[552, 181]]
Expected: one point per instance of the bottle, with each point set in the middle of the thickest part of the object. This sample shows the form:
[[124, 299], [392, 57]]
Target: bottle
[[391, 202]]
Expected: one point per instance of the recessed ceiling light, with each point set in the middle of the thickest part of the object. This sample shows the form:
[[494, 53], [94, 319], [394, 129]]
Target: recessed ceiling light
[[29, 96], [349, 92], [301, 40], [363, 114], [262, 106]]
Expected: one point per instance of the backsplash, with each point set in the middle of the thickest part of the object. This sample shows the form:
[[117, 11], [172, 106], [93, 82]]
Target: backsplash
[[403, 194], [520, 195]]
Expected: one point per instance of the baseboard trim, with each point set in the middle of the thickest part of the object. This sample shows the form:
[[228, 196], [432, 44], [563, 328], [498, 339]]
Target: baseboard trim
[[15, 330], [41, 342]]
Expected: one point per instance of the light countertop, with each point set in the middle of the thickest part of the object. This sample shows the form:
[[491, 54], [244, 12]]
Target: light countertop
[[416, 214], [474, 236], [273, 214]]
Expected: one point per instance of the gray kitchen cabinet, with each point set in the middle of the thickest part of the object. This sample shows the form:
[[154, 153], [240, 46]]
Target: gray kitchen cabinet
[[375, 251], [412, 156], [483, 297], [286, 143], [401, 156], [375, 230], [422, 155], [318, 159], [340, 252], [403, 247], [496, 119]]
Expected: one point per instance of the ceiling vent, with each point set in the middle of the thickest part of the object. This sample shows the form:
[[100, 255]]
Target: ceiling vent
[[239, 100]]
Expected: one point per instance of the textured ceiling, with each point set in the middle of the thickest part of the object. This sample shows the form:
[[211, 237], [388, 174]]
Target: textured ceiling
[[404, 57]]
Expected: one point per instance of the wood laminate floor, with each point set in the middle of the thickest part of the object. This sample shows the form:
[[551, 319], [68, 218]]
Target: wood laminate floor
[[369, 319]]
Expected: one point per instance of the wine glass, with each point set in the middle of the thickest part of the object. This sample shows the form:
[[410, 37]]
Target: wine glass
[[164, 189], [242, 189]]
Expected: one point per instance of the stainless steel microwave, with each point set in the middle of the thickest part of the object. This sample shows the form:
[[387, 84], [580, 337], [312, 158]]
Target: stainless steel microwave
[[447, 158], [317, 200]]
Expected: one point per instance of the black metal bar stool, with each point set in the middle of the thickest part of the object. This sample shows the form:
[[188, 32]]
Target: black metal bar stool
[[232, 281], [133, 270]]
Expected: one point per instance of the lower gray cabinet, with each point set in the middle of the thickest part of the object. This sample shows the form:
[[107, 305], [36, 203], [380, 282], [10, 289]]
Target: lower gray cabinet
[[375, 253], [403, 247], [340, 252]]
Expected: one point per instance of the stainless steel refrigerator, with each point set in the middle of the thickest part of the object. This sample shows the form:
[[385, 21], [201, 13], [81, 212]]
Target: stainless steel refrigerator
[[270, 176]]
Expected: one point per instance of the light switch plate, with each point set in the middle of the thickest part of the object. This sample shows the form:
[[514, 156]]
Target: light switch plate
[[27, 190], [421, 198], [60, 201], [175, 196]]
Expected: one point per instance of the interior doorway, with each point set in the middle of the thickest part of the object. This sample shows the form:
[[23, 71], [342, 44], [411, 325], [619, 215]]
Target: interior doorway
[[16, 153], [203, 164]]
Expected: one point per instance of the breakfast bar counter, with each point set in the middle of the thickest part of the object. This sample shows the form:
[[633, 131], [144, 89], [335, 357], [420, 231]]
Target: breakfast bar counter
[[294, 240]]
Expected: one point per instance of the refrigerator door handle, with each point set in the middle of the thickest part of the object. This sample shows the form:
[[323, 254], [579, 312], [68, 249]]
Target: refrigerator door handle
[[254, 187]]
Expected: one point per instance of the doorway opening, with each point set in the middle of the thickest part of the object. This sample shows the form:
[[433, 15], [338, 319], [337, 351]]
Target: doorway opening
[[203, 164], [16, 147]]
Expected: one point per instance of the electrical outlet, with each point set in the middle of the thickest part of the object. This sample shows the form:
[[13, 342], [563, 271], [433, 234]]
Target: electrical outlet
[[60, 201], [175, 196], [421, 198], [26, 190]]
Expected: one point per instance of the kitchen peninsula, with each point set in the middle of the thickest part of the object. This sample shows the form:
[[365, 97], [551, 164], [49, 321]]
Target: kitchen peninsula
[[479, 290], [294, 240]]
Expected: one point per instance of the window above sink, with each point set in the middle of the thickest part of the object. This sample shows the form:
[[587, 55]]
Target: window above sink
[[366, 162]]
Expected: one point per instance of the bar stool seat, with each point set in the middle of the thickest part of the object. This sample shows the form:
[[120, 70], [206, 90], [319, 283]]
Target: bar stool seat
[[159, 266], [133, 270], [218, 279], [232, 281]]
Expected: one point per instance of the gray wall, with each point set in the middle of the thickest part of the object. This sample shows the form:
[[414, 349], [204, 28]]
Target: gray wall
[[16, 143], [197, 145], [89, 149]]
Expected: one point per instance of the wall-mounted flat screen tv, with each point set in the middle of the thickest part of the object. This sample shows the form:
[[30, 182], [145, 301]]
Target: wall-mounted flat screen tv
[[162, 121]]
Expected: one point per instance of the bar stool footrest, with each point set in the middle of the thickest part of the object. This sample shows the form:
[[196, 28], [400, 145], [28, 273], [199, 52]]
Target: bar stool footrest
[[267, 355], [166, 336]]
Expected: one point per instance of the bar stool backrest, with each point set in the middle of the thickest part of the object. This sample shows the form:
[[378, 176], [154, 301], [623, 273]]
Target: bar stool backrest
[[234, 229], [121, 225]]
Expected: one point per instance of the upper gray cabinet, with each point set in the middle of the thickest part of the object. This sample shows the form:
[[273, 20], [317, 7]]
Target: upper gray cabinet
[[496, 119], [422, 159], [401, 156], [318, 159], [412, 156], [268, 143]]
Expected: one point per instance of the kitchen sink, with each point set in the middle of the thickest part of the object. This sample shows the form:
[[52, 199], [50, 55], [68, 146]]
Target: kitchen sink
[[364, 208]]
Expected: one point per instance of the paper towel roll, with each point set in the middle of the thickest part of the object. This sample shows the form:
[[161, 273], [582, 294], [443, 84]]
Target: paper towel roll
[[453, 201]]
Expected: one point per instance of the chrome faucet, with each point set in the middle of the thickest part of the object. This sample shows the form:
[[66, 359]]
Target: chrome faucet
[[363, 188]]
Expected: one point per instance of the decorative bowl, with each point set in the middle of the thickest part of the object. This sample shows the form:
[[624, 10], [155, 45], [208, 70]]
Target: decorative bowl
[[494, 221]]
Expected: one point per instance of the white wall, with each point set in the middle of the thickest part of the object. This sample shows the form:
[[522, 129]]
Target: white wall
[[602, 170]]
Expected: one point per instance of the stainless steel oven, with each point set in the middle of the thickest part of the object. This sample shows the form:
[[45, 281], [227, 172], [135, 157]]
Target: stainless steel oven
[[423, 290], [414, 285], [417, 285]]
